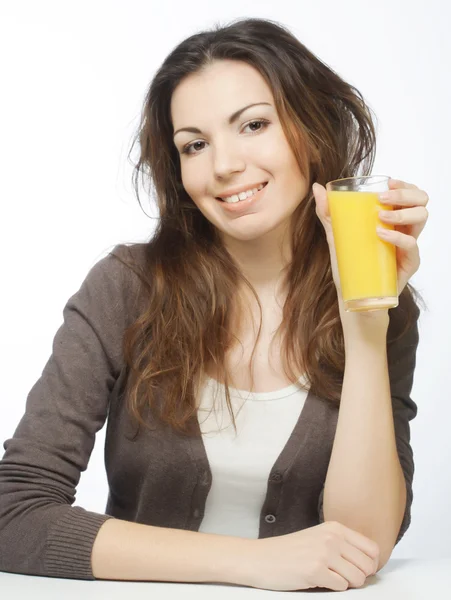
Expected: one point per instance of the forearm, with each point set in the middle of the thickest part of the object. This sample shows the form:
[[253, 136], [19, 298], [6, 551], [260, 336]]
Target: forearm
[[131, 551], [365, 487]]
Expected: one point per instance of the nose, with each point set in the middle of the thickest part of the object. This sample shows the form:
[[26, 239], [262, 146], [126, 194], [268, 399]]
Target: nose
[[227, 160]]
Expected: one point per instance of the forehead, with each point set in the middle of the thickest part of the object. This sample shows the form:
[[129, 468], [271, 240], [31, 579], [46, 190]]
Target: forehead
[[217, 92]]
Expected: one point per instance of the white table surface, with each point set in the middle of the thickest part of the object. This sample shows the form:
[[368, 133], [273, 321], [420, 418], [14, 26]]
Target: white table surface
[[400, 579]]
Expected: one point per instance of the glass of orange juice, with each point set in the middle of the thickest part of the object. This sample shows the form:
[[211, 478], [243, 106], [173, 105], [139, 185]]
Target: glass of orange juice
[[366, 264]]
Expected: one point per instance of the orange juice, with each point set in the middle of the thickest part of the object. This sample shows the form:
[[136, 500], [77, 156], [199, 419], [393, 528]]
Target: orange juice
[[366, 264]]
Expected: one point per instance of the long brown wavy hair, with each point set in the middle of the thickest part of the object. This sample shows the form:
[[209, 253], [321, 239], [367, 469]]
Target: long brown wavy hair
[[189, 281]]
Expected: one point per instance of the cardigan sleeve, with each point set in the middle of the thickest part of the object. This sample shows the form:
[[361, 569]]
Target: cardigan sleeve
[[401, 355], [41, 533]]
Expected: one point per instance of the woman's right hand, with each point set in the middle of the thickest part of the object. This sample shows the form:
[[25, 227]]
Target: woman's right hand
[[329, 555]]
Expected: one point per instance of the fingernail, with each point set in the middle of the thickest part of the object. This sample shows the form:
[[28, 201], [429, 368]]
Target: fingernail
[[382, 231], [384, 196]]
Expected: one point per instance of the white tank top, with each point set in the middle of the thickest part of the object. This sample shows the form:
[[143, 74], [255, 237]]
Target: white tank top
[[240, 464]]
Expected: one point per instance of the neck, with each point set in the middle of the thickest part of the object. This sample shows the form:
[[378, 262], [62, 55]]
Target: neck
[[263, 261]]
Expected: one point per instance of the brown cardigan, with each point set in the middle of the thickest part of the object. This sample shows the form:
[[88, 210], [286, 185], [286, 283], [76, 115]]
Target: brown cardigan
[[160, 478]]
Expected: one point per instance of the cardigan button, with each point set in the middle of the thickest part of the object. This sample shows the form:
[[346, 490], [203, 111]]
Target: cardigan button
[[276, 476], [196, 513], [270, 518]]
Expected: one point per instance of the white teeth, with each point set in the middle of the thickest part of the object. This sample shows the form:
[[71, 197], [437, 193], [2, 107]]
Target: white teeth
[[243, 195]]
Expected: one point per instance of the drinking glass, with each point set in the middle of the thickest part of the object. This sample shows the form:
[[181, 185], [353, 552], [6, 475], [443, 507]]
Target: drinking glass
[[366, 264]]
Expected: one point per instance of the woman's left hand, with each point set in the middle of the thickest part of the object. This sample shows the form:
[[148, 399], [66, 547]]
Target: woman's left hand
[[409, 216]]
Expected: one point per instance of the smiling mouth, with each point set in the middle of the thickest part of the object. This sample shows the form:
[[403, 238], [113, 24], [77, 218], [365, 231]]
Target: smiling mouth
[[265, 183]]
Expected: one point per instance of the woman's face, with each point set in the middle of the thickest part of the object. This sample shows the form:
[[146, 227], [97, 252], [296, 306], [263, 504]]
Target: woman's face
[[226, 155]]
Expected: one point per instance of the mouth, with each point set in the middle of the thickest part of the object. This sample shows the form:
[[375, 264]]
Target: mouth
[[243, 206], [264, 183]]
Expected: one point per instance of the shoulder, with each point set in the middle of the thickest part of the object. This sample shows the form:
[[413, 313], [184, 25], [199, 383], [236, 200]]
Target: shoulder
[[120, 261], [123, 264], [113, 283]]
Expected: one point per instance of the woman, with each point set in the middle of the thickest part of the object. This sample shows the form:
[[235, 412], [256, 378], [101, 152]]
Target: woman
[[236, 296]]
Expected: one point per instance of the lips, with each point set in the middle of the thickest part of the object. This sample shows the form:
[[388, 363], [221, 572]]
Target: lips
[[246, 206], [264, 183]]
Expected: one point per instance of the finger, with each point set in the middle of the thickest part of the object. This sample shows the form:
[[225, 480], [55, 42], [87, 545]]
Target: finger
[[332, 581], [358, 558], [415, 218], [406, 216], [398, 183], [401, 240], [353, 575], [369, 547], [322, 205], [404, 197], [416, 230]]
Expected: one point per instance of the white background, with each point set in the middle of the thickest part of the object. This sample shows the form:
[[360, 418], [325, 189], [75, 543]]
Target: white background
[[73, 79]]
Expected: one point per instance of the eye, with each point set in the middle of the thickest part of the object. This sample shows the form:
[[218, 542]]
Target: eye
[[261, 125], [186, 149]]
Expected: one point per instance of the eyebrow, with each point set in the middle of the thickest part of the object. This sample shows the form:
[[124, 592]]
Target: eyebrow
[[232, 118]]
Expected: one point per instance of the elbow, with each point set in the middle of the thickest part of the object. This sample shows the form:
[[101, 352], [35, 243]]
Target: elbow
[[384, 557]]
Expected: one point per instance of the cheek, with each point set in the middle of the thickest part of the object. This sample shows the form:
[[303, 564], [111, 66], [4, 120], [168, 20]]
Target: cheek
[[278, 156], [288, 173], [192, 182], [288, 165]]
